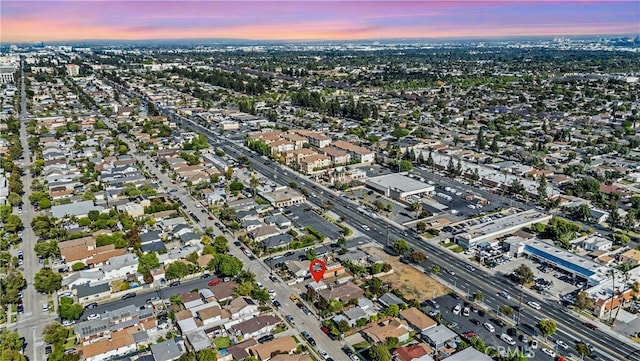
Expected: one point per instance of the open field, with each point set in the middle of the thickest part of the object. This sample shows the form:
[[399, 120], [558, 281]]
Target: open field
[[411, 282]]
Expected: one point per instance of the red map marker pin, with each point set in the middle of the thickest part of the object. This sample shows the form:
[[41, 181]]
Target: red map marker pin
[[317, 269]]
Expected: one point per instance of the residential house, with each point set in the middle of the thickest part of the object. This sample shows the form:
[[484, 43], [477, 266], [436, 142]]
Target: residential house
[[631, 257], [118, 343], [224, 291], [597, 243], [414, 352], [87, 294], [389, 299], [299, 269], [277, 241], [468, 354], [255, 326], [121, 266], [380, 332], [240, 351], [263, 233], [242, 308], [417, 319], [344, 292], [263, 352], [278, 220], [191, 299], [363, 310], [355, 256], [166, 351], [197, 341], [440, 336], [213, 315], [284, 197], [78, 209]]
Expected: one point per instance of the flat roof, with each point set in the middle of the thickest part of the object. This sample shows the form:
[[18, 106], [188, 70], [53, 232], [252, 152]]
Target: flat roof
[[563, 258], [400, 182], [506, 224]]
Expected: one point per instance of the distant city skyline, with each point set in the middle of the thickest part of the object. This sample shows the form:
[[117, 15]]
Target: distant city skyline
[[29, 21]]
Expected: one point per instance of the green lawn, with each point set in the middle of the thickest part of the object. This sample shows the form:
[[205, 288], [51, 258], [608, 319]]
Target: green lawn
[[222, 342]]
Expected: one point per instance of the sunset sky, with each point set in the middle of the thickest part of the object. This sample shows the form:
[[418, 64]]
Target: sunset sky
[[53, 20]]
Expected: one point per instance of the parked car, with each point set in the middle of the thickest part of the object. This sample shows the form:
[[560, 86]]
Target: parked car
[[129, 295], [93, 316], [174, 284], [265, 338], [214, 282], [90, 306]]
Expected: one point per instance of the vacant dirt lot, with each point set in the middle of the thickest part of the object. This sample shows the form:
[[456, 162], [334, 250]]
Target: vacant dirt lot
[[413, 283]]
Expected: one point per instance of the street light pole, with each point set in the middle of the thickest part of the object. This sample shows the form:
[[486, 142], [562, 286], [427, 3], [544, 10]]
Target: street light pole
[[520, 304]]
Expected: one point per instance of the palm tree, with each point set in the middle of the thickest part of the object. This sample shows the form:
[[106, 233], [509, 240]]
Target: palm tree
[[253, 181]]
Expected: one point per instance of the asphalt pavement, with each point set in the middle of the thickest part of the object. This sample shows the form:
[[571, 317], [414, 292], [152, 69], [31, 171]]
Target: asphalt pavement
[[31, 323]]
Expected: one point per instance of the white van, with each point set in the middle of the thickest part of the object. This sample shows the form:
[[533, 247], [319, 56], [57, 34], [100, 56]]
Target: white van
[[508, 339]]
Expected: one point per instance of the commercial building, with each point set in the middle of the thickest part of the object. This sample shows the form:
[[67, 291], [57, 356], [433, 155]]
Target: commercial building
[[398, 186], [594, 273], [487, 231]]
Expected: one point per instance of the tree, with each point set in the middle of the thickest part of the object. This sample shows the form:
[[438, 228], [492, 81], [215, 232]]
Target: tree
[[583, 349], [435, 269], [525, 274], [147, 262], [78, 266], [206, 355], [221, 244], [379, 353], [13, 223], [400, 246], [583, 301], [176, 270], [547, 327], [312, 254], [228, 265], [47, 281], [392, 310], [614, 218], [481, 142], [542, 191], [629, 220], [55, 334], [506, 310], [68, 310], [417, 257], [14, 199]]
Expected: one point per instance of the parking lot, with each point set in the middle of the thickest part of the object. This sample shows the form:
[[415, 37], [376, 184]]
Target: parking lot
[[556, 286], [304, 216], [473, 326]]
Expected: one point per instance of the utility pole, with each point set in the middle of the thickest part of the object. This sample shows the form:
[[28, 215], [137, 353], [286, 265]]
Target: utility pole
[[386, 242]]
